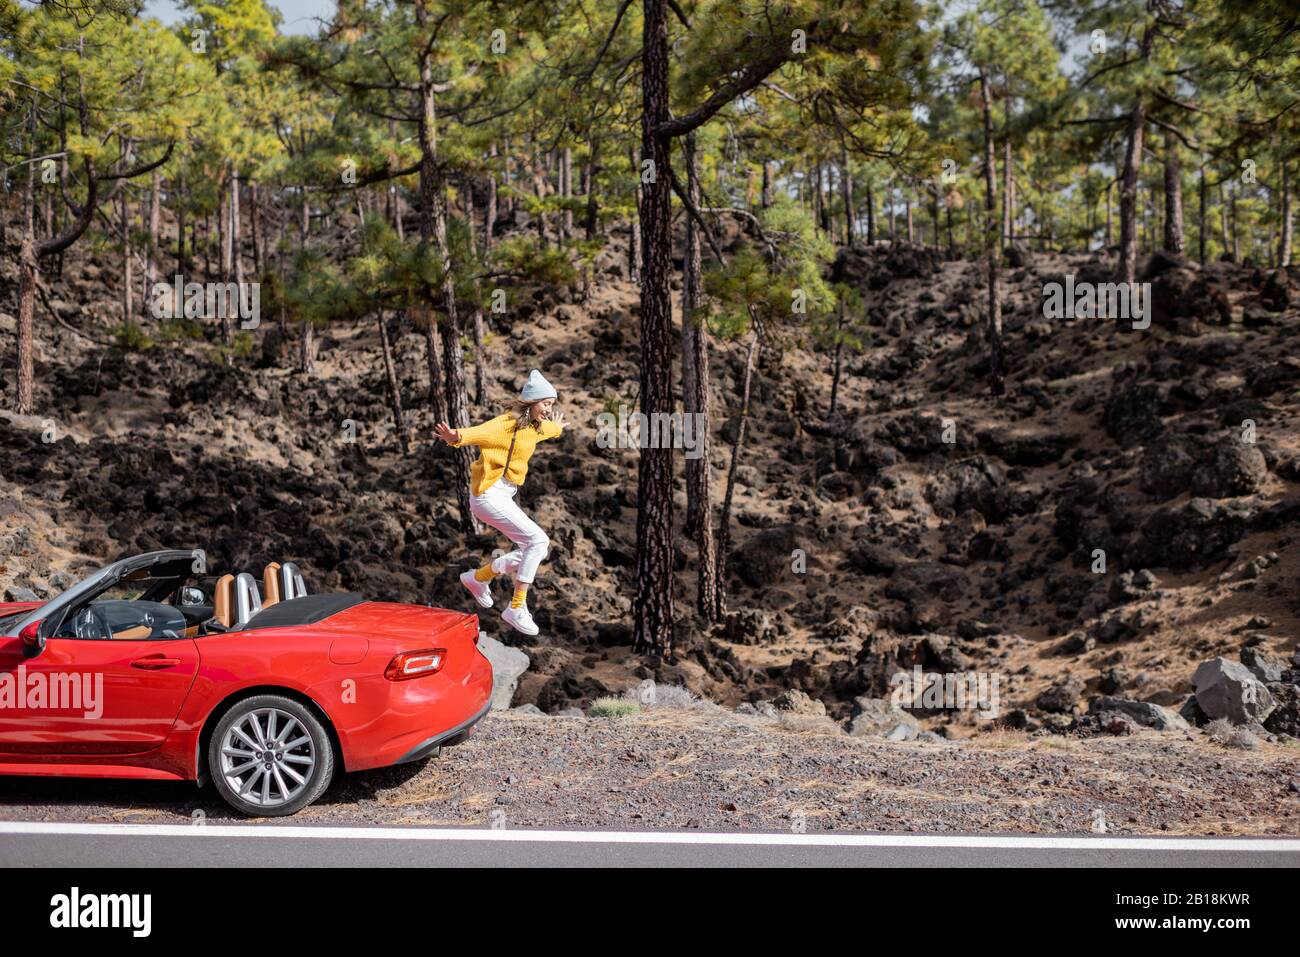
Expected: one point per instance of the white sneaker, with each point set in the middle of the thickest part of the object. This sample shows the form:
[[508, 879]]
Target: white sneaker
[[520, 620], [482, 591]]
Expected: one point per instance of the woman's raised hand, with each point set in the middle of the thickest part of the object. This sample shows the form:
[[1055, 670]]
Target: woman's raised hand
[[446, 433], [557, 417]]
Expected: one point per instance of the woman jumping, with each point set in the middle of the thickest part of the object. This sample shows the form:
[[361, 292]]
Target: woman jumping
[[505, 444]]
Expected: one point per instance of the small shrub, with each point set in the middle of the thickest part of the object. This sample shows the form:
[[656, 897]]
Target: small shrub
[[807, 724], [1228, 735], [612, 708], [243, 345], [131, 338], [656, 697], [613, 403], [177, 330]]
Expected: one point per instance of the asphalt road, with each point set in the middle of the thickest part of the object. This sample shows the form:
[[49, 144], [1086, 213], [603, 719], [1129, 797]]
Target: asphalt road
[[278, 845]]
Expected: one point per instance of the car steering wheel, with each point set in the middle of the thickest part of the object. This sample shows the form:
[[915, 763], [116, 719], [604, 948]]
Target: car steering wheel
[[90, 624]]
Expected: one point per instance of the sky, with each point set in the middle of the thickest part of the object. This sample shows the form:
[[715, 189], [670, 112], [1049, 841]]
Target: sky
[[299, 15]]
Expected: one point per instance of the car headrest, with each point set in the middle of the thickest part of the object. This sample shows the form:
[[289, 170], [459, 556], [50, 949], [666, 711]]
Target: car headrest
[[271, 591], [223, 601]]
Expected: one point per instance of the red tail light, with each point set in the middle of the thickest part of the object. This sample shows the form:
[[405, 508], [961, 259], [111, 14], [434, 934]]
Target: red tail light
[[415, 664]]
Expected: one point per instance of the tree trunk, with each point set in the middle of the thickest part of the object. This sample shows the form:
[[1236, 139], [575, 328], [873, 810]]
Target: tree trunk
[[836, 366], [433, 231], [223, 260], [893, 231], [724, 520], [1284, 245], [766, 199], [566, 190], [592, 225], [846, 189], [539, 190], [128, 284], [281, 313], [695, 402], [1174, 239], [1128, 194], [1203, 225], [871, 215], [304, 221], [394, 388], [996, 381], [424, 319], [28, 277], [507, 179], [653, 606], [256, 229], [478, 332], [1008, 174], [236, 230], [307, 348], [819, 214], [1236, 237], [934, 217], [1110, 188], [153, 222], [1144, 225], [1223, 219], [634, 240], [490, 214], [207, 244], [180, 226], [223, 232]]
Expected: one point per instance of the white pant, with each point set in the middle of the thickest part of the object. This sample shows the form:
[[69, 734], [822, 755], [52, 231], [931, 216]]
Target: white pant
[[497, 508]]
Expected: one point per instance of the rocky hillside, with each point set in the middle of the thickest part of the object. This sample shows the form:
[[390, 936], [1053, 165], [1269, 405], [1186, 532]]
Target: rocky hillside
[[939, 527]]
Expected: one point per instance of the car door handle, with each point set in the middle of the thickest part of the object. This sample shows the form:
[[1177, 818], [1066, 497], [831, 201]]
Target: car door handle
[[155, 662]]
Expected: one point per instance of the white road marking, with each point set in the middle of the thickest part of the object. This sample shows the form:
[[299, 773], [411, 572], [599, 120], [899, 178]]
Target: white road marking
[[1270, 845]]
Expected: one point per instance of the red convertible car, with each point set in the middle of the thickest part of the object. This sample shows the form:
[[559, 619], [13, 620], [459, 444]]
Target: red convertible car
[[151, 668]]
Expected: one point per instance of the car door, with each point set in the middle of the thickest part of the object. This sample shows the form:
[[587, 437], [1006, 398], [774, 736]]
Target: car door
[[93, 696]]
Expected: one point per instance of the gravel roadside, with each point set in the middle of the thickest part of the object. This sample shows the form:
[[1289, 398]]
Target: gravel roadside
[[716, 770]]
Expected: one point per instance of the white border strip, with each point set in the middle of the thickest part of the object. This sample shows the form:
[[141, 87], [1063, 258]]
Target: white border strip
[[300, 832]]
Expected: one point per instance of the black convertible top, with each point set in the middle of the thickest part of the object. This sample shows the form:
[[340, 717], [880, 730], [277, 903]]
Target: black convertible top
[[307, 610]]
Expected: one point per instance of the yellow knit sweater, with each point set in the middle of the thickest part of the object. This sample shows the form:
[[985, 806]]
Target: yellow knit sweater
[[493, 441]]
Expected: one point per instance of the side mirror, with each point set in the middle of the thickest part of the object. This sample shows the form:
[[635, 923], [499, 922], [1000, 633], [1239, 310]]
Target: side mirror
[[192, 596], [32, 640]]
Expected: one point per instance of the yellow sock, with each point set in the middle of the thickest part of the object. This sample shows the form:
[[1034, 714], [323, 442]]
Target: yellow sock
[[518, 600], [485, 574]]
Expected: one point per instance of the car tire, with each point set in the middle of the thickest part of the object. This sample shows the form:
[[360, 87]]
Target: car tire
[[265, 774]]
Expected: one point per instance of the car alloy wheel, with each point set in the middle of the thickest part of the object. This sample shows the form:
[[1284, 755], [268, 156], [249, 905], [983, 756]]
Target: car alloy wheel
[[270, 756]]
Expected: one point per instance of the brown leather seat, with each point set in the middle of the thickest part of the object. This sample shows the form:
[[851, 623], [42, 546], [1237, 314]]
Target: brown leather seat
[[272, 593], [223, 602]]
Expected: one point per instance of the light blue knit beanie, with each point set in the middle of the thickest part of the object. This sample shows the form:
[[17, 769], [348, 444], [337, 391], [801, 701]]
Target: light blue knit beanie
[[537, 388]]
